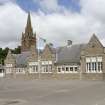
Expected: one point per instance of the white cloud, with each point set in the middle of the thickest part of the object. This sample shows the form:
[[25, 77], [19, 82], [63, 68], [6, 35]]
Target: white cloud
[[59, 28], [93, 11], [49, 5], [12, 20], [5, 1], [56, 27]]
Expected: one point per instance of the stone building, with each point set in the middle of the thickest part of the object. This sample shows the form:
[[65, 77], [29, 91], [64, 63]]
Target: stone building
[[93, 60], [16, 64], [68, 61], [73, 61], [32, 61], [41, 63], [28, 38]]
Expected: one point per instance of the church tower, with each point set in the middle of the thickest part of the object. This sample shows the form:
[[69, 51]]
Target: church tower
[[28, 38]]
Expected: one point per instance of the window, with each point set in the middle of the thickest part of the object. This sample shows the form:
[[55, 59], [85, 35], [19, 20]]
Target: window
[[50, 68], [36, 68], [99, 66], [1, 70], [93, 64], [76, 68], [88, 66], [71, 68], [46, 68], [33, 69], [9, 70], [19, 70], [63, 69], [59, 69], [67, 69]]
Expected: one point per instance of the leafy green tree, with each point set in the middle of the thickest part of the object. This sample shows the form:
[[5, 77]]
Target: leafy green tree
[[16, 50], [4, 52]]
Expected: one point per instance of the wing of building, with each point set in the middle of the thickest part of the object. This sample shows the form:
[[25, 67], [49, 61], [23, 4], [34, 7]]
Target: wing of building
[[73, 61]]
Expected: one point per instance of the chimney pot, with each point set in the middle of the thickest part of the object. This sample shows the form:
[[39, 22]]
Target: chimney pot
[[69, 42]]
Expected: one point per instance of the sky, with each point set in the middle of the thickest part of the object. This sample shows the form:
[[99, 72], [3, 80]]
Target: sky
[[55, 20]]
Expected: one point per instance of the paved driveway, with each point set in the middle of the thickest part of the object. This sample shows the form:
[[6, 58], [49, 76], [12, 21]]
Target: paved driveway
[[51, 92]]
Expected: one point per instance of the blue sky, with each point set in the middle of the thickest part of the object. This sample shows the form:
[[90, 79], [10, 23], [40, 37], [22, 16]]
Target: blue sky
[[28, 5], [31, 5], [70, 4]]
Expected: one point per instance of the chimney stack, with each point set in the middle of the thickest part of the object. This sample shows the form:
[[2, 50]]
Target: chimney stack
[[69, 42]]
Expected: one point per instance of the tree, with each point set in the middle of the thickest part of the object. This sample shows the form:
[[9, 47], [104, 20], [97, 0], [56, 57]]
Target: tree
[[4, 52], [16, 50]]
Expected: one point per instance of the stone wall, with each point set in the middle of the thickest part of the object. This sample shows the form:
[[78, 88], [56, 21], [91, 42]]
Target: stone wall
[[39, 76], [69, 76], [93, 76], [58, 76]]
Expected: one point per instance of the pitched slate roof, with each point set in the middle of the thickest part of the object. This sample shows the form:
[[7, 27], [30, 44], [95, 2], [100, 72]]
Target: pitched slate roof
[[69, 54], [52, 49], [64, 55], [21, 59]]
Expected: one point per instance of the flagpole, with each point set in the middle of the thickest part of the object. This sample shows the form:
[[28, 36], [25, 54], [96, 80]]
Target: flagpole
[[39, 65], [38, 59]]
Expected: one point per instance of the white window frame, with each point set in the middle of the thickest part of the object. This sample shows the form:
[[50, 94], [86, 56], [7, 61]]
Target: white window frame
[[9, 65], [8, 70], [20, 70], [67, 66], [45, 67], [33, 69], [92, 64], [33, 63]]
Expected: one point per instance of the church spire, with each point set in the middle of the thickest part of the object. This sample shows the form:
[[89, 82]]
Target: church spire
[[28, 38], [29, 20], [29, 29]]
